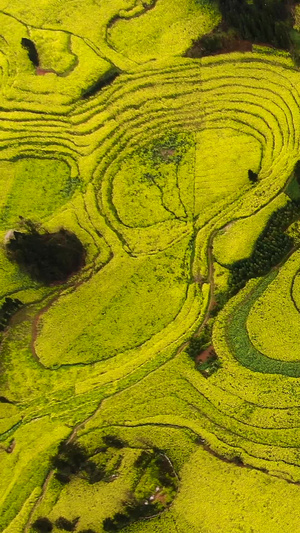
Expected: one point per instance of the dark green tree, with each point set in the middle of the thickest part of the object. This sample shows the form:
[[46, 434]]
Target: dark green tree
[[253, 176], [47, 257], [65, 524], [42, 525]]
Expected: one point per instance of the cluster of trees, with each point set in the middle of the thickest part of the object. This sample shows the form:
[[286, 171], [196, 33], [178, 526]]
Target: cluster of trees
[[271, 247], [47, 257], [72, 460], [261, 21], [7, 309], [268, 22], [44, 525], [135, 509], [200, 343]]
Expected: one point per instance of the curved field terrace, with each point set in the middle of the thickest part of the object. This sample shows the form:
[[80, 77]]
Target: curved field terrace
[[155, 387]]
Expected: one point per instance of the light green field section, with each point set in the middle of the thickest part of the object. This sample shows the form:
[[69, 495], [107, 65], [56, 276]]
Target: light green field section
[[143, 39], [54, 50], [20, 521], [154, 184], [130, 306], [108, 27], [38, 188], [29, 463], [273, 323], [7, 172], [233, 499], [223, 158], [76, 67], [9, 416], [142, 192], [236, 241], [92, 503], [228, 498]]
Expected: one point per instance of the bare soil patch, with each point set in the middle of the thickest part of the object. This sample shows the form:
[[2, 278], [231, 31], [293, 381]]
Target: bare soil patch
[[205, 355]]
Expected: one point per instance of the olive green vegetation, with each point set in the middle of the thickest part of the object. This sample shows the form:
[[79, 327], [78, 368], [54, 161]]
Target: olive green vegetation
[[145, 156], [33, 181], [236, 241], [183, 22], [245, 499], [276, 311]]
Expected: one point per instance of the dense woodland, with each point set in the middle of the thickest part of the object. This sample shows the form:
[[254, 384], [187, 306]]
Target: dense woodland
[[244, 22]]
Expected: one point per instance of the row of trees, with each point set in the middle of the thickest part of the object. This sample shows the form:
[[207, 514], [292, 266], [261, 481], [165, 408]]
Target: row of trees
[[261, 21], [243, 22], [73, 460], [271, 247], [44, 525]]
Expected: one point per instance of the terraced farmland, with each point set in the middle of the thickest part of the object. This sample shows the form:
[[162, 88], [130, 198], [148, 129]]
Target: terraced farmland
[[147, 162]]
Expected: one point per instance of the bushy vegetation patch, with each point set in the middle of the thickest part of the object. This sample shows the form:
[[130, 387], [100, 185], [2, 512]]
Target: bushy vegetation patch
[[271, 247], [7, 310], [237, 240], [47, 257]]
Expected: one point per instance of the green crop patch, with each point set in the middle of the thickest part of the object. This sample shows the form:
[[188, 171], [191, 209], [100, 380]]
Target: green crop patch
[[221, 168], [37, 189], [178, 176], [130, 305], [275, 314], [237, 240], [145, 38]]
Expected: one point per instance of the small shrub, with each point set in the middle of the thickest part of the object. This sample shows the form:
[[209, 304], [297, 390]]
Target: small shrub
[[9, 307], [43, 525], [109, 525], [114, 442], [143, 459], [32, 51], [253, 176], [62, 478], [64, 523]]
